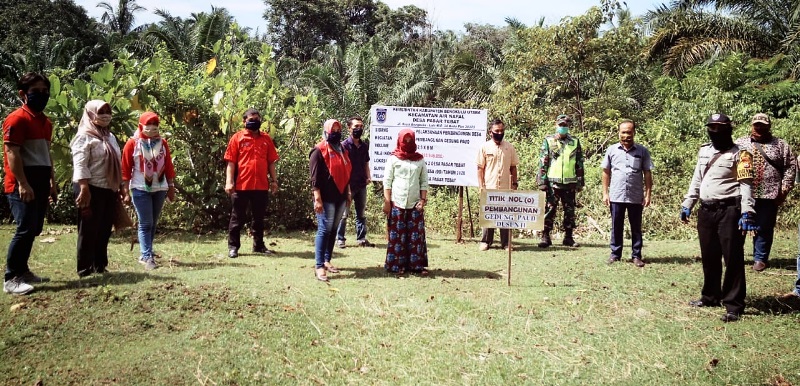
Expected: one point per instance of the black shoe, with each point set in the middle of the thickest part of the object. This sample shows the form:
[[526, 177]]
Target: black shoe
[[701, 303], [262, 249], [545, 241], [233, 252], [730, 317]]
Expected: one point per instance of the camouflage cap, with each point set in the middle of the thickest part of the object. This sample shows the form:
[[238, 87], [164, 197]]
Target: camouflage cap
[[761, 118], [563, 118]]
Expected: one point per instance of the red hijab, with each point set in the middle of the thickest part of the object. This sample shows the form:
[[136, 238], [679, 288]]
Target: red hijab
[[407, 151], [337, 160]]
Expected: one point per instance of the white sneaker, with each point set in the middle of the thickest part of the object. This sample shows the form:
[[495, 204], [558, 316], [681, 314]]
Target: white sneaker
[[483, 247], [16, 286]]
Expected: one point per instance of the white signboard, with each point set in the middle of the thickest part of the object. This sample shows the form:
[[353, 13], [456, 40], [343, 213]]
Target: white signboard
[[448, 138], [512, 209]]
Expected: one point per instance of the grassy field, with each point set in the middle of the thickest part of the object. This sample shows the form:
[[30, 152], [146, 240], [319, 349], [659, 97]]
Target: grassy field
[[568, 318]]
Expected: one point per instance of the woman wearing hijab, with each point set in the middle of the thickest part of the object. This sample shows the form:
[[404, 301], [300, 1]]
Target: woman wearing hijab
[[330, 169], [148, 172], [96, 181], [404, 197]]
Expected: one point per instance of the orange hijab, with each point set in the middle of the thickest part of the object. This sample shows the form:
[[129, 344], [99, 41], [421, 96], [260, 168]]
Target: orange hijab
[[337, 161]]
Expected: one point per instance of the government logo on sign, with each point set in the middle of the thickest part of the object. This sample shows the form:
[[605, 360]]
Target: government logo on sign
[[381, 115]]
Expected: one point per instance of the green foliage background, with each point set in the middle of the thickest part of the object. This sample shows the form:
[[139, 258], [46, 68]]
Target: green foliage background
[[200, 73]]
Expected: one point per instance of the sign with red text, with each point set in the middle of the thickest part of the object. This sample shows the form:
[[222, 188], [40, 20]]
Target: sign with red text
[[512, 209], [449, 139]]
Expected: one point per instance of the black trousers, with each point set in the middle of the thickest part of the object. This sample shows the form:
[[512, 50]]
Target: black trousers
[[720, 238], [257, 200], [487, 236], [94, 229]]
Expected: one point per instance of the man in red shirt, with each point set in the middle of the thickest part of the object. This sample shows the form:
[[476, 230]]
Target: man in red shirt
[[251, 157], [29, 179]]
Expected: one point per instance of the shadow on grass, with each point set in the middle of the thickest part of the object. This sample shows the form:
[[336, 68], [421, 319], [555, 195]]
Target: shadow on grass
[[96, 280], [202, 265], [682, 259], [378, 272], [773, 305], [786, 264]]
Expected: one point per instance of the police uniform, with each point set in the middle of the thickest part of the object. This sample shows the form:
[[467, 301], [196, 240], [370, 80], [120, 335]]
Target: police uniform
[[722, 185]]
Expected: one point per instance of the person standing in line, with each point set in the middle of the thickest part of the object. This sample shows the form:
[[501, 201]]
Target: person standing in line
[[97, 179], [360, 178], [251, 156], [497, 169], [560, 176], [330, 168], [405, 194], [627, 186], [722, 183], [149, 175], [795, 293], [29, 178], [774, 170]]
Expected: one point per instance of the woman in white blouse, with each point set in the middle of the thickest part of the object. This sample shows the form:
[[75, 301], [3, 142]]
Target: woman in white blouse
[[96, 178]]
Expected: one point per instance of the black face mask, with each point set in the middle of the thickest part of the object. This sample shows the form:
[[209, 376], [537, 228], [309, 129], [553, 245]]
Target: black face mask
[[498, 137], [37, 101], [252, 125], [721, 140], [358, 133], [334, 137]]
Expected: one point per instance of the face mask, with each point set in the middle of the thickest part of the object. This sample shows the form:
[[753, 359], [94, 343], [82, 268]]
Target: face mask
[[722, 139], [358, 133], [150, 131], [498, 137], [562, 130], [761, 133], [37, 101], [409, 147], [334, 137], [103, 120], [252, 125]]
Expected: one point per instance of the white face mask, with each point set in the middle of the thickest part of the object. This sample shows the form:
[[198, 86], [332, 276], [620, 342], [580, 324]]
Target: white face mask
[[103, 120], [150, 131]]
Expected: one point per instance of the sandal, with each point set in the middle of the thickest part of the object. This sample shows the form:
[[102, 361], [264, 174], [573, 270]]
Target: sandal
[[321, 276], [330, 268]]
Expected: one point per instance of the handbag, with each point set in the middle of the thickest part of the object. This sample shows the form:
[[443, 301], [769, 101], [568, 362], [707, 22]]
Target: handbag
[[121, 218]]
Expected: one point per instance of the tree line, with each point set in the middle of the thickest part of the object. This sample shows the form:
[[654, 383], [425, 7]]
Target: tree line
[[667, 69]]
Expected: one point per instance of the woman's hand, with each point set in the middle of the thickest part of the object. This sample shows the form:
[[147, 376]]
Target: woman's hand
[[84, 197], [420, 206], [387, 207], [171, 193], [125, 194]]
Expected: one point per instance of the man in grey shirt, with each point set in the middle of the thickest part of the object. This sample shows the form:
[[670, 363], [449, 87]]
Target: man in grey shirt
[[626, 171], [722, 183]]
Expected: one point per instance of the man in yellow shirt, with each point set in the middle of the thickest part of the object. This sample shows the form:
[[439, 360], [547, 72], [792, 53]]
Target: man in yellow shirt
[[497, 169]]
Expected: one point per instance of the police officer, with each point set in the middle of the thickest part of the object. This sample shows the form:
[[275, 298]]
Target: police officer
[[561, 177], [722, 182]]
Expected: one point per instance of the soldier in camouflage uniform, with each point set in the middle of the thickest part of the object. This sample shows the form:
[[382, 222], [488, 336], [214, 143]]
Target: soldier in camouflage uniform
[[722, 182], [560, 176]]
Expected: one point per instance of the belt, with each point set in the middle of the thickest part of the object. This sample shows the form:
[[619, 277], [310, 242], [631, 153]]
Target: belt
[[718, 204]]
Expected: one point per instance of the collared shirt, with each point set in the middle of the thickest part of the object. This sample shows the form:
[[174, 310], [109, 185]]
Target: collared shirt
[[725, 178], [359, 156], [627, 172], [32, 132], [496, 161], [768, 181], [89, 160], [252, 156], [406, 179]]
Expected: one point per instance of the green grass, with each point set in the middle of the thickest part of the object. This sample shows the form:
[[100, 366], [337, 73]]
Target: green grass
[[568, 318]]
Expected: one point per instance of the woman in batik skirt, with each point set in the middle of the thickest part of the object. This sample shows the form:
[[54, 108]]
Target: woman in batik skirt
[[404, 199]]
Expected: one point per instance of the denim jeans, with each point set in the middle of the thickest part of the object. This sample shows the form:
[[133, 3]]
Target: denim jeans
[[323, 244], [29, 217], [148, 209], [360, 202], [766, 214], [618, 226]]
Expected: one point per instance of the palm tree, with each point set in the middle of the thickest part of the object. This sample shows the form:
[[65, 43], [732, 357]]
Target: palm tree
[[190, 40], [120, 20], [689, 32]]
